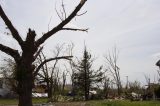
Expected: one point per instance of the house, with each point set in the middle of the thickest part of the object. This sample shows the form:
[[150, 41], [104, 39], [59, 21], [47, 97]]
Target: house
[[40, 89], [6, 89]]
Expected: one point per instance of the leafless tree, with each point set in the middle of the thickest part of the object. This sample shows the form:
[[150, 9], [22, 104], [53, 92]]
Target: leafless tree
[[64, 78], [8, 70], [111, 60], [135, 87], [106, 86], [26, 73], [148, 81], [49, 75], [71, 69]]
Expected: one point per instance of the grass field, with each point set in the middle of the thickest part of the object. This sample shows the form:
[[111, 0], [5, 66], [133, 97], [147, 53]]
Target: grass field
[[124, 103], [15, 101], [7, 102]]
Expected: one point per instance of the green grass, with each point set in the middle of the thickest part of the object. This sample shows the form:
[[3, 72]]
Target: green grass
[[15, 101], [8, 101], [124, 103], [89, 103]]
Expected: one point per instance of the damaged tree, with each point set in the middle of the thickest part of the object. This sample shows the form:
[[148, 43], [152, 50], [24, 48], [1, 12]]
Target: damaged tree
[[48, 74], [25, 68], [111, 60]]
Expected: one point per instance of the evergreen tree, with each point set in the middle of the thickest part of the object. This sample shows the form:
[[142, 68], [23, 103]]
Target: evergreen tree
[[86, 77]]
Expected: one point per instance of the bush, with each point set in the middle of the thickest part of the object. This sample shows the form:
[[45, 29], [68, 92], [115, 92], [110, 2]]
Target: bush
[[157, 92]]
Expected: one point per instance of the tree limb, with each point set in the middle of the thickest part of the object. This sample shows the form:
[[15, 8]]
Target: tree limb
[[61, 25], [74, 29], [82, 13], [38, 52], [60, 17], [13, 30], [10, 51], [48, 60]]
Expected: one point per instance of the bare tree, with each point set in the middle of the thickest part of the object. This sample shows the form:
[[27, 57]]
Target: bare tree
[[135, 87], [111, 60], [72, 70], [25, 70], [148, 80], [106, 86], [49, 75], [8, 70], [64, 78]]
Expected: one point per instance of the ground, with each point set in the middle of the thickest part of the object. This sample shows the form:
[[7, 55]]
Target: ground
[[13, 102]]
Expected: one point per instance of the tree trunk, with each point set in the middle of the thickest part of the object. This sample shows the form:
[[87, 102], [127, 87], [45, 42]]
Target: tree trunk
[[86, 91], [50, 92], [25, 93], [25, 81], [119, 88]]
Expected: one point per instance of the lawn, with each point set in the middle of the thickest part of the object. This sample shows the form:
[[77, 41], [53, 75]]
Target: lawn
[[89, 103], [124, 103], [15, 101]]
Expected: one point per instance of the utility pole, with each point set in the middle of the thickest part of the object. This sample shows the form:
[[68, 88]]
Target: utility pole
[[126, 82]]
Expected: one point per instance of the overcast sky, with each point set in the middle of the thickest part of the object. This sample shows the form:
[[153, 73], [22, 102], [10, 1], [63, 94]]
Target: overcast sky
[[132, 25]]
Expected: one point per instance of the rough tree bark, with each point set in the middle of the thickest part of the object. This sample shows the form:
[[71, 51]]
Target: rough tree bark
[[25, 72]]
